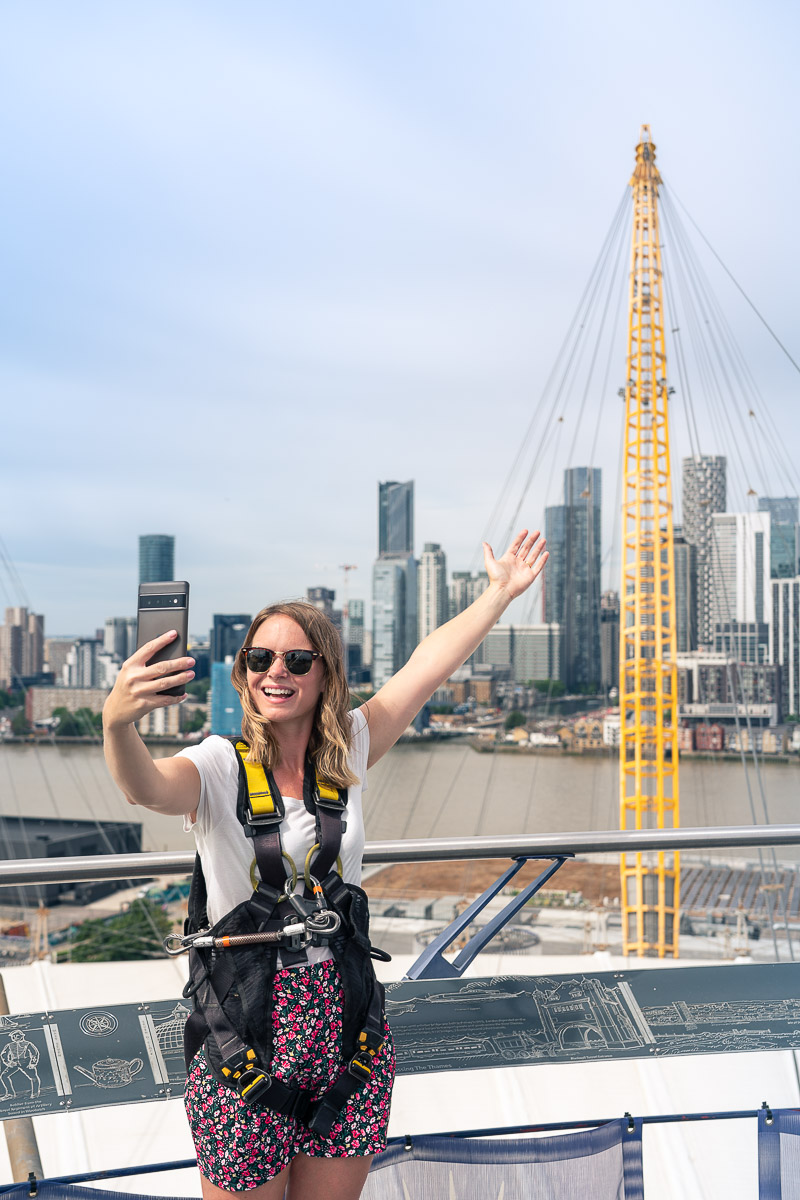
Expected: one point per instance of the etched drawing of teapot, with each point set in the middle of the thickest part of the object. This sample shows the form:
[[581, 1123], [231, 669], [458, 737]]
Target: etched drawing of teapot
[[112, 1072]]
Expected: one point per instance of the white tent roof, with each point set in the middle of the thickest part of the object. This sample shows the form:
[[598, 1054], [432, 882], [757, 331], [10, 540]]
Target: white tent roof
[[712, 1160]]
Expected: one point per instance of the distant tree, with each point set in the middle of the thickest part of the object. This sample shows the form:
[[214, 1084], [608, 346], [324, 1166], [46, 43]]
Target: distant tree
[[199, 688], [514, 719], [550, 687], [82, 723], [136, 933], [19, 724], [195, 721]]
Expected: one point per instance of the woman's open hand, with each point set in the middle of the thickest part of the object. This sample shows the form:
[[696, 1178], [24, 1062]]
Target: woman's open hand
[[519, 566], [140, 688]]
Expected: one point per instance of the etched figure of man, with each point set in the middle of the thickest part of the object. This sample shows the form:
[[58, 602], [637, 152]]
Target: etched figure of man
[[19, 1054]]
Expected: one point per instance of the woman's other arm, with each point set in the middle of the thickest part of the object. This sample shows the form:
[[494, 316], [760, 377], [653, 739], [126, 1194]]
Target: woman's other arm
[[168, 785], [399, 700]]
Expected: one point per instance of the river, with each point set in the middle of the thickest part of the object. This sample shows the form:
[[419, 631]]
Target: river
[[430, 789]]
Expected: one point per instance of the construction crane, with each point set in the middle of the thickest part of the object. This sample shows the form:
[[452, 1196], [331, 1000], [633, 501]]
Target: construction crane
[[648, 683]]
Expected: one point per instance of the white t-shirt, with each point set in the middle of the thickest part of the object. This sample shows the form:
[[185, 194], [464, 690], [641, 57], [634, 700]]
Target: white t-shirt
[[227, 854]]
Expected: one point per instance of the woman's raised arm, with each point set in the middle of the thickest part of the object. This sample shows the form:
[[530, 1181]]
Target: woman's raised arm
[[390, 710]]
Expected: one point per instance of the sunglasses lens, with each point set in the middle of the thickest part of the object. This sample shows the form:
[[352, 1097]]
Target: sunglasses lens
[[259, 660], [299, 661]]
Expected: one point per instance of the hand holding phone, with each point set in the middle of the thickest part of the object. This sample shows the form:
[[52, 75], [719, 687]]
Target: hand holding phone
[[162, 607]]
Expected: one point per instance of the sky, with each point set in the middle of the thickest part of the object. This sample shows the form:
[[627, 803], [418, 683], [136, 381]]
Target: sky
[[257, 257]]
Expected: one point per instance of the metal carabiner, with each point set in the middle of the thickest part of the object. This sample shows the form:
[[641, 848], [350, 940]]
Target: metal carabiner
[[296, 901], [176, 943]]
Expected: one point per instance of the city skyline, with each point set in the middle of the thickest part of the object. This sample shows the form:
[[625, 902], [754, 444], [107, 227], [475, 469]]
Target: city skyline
[[382, 283]]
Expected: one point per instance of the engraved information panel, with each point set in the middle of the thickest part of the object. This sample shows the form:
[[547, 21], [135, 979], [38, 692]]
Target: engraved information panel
[[120, 1054]]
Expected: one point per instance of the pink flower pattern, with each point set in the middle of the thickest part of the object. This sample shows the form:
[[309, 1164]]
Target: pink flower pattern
[[240, 1146]]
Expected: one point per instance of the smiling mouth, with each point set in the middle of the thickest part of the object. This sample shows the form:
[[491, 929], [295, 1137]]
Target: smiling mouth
[[274, 691]]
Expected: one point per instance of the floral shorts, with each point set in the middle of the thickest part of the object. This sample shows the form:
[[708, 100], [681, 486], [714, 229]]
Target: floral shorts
[[240, 1146]]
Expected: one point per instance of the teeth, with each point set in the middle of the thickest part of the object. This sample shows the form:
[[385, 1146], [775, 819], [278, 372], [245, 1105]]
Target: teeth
[[276, 692]]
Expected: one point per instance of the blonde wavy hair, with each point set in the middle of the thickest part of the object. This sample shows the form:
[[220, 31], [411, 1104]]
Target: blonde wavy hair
[[329, 745]]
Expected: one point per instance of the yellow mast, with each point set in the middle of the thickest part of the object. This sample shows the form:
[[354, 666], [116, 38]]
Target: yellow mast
[[648, 684]]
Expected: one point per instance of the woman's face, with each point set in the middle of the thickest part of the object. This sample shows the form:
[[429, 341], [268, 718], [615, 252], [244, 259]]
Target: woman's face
[[279, 695]]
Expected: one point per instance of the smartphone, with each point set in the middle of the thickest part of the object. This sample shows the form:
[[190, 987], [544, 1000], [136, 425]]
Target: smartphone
[[164, 606]]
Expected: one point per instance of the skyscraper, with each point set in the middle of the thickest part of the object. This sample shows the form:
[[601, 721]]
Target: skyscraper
[[227, 636], [433, 599], [396, 518], [741, 610], [703, 494], [784, 534], [786, 641], [685, 592], [394, 582], [156, 557], [394, 614], [572, 595]]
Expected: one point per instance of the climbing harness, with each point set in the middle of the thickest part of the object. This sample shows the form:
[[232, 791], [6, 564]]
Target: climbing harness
[[232, 964]]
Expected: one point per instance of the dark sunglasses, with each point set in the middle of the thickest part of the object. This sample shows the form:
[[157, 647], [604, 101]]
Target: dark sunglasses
[[297, 662]]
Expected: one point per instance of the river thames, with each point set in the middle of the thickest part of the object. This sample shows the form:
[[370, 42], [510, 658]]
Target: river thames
[[428, 790]]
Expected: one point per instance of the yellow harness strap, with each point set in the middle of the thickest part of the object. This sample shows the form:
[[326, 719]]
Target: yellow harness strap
[[261, 801]]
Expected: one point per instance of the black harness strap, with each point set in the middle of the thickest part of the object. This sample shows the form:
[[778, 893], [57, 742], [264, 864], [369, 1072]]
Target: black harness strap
[[216, 977]]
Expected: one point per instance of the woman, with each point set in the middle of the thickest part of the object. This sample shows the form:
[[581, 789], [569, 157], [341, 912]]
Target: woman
[[294, 704]]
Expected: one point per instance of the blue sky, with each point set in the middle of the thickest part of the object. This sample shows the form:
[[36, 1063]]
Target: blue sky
[[256, 257]]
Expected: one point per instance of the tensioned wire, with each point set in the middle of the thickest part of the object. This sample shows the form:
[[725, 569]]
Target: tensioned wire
[[699, 298]]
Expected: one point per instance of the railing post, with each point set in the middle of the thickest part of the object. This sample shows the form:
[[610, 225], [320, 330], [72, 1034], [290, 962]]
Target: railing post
[[23, 1150]]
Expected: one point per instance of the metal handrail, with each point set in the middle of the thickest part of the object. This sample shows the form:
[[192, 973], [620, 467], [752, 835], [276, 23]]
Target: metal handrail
[[145, 866]]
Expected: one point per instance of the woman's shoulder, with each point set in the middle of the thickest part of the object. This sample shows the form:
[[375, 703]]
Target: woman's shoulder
[[214, 750]]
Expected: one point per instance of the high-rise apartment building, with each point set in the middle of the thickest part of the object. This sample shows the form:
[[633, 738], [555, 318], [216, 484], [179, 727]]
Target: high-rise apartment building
[[433, 602], [21, 647], [227, 635], [740, 608], [531, 651], [396, 518], [786, 641], [156, 557], [685, 591], [394, 614], [119, 637], [609, 640], [572, 594], [394, 582], [465, 587], [784, 514], [703, 495]]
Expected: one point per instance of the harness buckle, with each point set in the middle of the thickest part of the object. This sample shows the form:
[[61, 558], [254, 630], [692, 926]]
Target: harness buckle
[[258, 822], [253, 1085]]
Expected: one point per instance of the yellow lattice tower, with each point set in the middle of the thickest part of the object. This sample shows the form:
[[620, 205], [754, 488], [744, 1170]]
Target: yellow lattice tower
[[648, 681]]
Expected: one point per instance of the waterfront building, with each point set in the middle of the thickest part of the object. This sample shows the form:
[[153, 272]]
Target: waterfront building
[[396, 517], [119, 637], [716, 687], [532, 652], [156, 557], [572, 591], [433, 600], [21, 646], [80, 669], [740, 584], [465, 587], [40, 701], [703, 495], [225, 706], [394, 614], [56, 652], [784, 514], [356, 638], [685, 592], [786, 641], [163, 722], [609, 640], [226, 638]]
